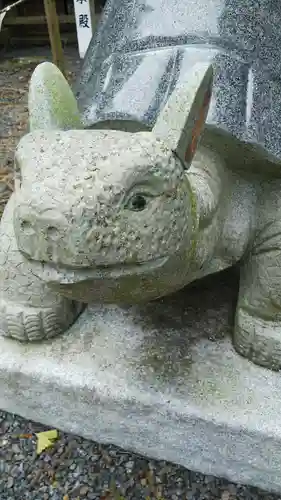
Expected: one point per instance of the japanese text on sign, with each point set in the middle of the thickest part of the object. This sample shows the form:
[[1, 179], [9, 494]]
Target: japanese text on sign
[[84, 21], [82, 9]]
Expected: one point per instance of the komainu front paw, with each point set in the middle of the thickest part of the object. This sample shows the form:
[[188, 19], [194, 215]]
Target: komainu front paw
[[258, 339], [32, 324]]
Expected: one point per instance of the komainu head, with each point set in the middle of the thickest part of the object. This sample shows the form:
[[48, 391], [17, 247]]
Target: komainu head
[[106, 202]]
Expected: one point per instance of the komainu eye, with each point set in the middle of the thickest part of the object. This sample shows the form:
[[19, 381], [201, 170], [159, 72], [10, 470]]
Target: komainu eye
[[137, 202]]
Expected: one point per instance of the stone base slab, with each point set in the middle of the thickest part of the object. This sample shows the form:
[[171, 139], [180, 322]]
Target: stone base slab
[[160, 379]]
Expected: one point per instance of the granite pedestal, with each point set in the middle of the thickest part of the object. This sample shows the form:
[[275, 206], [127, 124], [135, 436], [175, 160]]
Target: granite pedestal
[[160, 379]]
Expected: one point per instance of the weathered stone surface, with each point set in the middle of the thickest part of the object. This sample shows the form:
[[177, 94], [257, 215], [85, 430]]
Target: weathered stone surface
[[108, 216], [162, 379]]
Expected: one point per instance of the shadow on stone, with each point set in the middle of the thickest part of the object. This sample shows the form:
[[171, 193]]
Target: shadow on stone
[[203, 310]]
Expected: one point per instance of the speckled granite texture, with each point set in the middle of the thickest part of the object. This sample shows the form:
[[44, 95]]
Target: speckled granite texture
[[162, 380], [143, 47]]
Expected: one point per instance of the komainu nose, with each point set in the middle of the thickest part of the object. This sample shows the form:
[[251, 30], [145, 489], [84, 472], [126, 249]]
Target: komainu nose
[[38, 224], [41, 229], [29, 227]]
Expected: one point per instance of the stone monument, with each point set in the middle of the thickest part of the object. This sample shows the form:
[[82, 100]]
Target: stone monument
[[146, 181]]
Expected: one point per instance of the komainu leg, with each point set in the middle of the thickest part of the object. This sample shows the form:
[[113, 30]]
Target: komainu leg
[[257, 333], [29, 310]]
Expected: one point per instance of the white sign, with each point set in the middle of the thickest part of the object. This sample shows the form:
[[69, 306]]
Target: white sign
[[83, 21]]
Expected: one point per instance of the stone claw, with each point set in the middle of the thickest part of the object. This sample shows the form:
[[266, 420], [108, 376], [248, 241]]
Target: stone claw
[[30, 324], [258, 339]]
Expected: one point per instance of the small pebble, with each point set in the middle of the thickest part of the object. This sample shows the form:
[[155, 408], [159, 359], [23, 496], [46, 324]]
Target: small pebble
[[10, 482], [84, 490], [225, 495]]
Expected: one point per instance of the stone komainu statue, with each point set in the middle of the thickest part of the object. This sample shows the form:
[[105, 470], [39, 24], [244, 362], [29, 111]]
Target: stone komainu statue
[[125, 194]]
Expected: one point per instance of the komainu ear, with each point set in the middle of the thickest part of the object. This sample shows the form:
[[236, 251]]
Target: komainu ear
[[182, 119], [51, 102]]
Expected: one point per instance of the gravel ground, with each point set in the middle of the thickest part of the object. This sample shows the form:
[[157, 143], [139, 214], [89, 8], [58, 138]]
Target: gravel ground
[[75, 468]]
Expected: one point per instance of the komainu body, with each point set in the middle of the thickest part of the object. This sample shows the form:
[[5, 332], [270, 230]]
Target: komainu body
[[115, 216]]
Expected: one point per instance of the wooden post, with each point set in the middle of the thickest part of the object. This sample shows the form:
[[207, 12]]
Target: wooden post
[[54, 33]]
